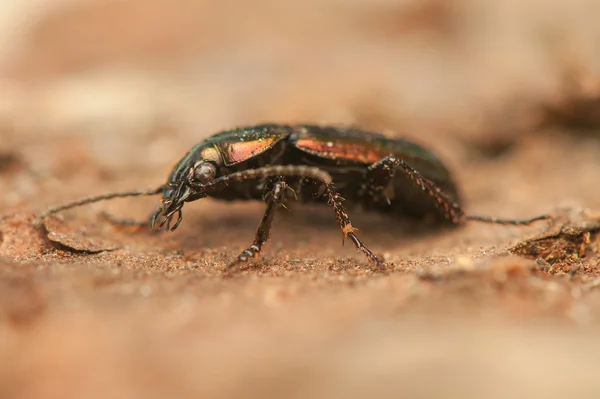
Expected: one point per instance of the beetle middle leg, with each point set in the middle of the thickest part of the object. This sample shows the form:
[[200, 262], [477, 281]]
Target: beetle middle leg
[[274, 197], [379, 177], [336, 201]]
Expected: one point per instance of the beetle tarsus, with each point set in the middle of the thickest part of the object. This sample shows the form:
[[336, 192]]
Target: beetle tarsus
[[336, 201]]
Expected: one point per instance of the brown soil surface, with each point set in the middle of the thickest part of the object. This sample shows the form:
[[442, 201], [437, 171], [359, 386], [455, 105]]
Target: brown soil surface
[[106, 96]]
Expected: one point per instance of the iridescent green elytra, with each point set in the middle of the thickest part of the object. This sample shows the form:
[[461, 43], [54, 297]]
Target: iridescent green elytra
[[346, 153]]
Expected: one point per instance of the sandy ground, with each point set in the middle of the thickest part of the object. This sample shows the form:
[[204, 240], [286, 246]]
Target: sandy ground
[[105, 96]]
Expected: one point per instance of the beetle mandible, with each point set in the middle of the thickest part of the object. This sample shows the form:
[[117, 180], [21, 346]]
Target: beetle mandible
[[328, 164]]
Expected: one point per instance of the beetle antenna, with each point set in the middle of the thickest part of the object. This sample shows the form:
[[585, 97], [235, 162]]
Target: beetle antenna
[[98, 198], [514, 222], [310, 172]]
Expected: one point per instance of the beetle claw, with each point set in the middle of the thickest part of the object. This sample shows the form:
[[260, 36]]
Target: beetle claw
[[162, 222], [154, 216], [179, 219]]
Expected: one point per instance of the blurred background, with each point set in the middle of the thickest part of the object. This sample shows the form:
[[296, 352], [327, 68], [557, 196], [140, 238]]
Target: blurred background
[[102, 95], [133, 84]]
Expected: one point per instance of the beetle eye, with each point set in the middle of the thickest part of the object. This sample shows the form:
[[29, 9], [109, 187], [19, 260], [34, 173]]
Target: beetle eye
[[205, 172]]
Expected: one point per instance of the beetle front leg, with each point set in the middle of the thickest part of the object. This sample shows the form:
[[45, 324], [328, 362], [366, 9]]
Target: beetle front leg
[[274, 198], [336, 201]]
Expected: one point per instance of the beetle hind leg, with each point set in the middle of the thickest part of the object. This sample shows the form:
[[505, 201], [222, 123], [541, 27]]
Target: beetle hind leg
[[450, 209]]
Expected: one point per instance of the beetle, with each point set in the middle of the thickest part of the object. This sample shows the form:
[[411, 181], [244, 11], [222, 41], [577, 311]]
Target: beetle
[[334, 165]]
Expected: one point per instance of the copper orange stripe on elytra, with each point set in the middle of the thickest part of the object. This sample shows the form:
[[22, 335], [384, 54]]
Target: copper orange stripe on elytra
[[354, 152], [241, 151]]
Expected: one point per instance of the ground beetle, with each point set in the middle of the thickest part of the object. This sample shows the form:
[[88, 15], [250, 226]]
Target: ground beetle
[[329, 164]]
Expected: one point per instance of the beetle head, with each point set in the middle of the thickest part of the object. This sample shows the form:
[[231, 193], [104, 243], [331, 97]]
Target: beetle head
[[185, 187]]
